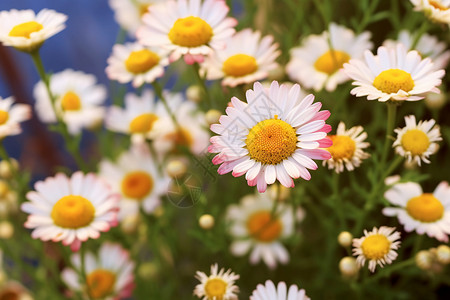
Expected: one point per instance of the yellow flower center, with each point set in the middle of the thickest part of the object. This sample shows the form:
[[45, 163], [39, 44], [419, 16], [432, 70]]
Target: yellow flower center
[[181, 138], [190, 32], [393, 80], [343, 147], [239, 65], [264, 227], [425, 208], [25, 29], [100, 283], [143, 123], [4, 116], [271, 141], [215, 288], [143, 9], [375, 246], [438, 5], [137, 185], [73, 212], [70, 101], [415, 141], [141, 61], [331, 61]]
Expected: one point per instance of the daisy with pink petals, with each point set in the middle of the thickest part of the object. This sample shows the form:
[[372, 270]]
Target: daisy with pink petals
[[189, 28], [71, 210], [274, 136]]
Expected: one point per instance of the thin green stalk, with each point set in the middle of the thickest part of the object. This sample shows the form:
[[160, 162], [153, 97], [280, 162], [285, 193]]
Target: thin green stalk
[[158, 90], [202, 83], [391, 112], [423, 28], [336, 200], [388, 270], [83, 270]]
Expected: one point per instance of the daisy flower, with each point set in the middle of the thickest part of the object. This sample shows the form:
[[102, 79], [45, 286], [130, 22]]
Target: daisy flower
[[427, 46], [255, 228], [314, 65], [135, 63], [217, 286], [436, 10], [423, 212], [193, 28], [136, 178], [167, 137], [280, 292], [78, 100], [108, 276], [138, 116], [393, 74], [27, 31], [71, 210], [11, 115], [377, 247], [128, 13], [273, 136], [347, 149], [417, 141], [246, 59]]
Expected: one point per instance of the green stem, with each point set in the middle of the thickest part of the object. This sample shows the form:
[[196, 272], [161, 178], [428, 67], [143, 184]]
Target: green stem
[[336, 200], [158, 90], [83, 270], [388, 270], [202, 83], [392, 109], [423, 28]]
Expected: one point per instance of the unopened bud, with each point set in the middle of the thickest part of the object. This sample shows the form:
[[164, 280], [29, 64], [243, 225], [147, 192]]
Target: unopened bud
[[4, 189], [443, 254], [345, 239], [348, 267], [424, 259], [6, 230], [435, 101], [5, 168], [212, 116], [176, 168], [206, 221], [194, 93], [148, 270], [130, 224]]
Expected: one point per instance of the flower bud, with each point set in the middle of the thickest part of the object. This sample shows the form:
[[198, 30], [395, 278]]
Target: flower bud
[[148, 270], [130, 224], [176, 168], [6, 230], [4, 189], [435, 101], [194, 93], [424, 259], [443, 254], [206, 221], [348, 267], [345, 239], [5, 168], [212, 116]]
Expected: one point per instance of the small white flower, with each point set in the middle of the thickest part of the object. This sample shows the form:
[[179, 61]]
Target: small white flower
[[421, 212], [417, 142], [280, 292], [436, 10], [27, 31], [11, 115], [217, 286]]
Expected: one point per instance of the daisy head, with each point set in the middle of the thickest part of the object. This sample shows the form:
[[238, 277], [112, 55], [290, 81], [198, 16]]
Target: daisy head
[[190, 134], [417, 141], [436, 10], [192, 28], [275, 135], [377, 247], [128, 13], [347, 149], [136, 178], [11, 115], [393, 74], [135, 63], [78, 100], [259, 230], [137, 117], [421, 212], [315, 65], [280, 292], [72, 209], [109, 275], [246, 59], [427, 46], [27, 31], [217, 286]]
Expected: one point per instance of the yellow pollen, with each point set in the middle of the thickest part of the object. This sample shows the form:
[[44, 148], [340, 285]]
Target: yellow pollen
[[425, 208], [343, 147], [100, 283], [239, 65], [215, 288], [264, 227], [70, 101], [190, 32], [331, 61], [25, 29], [438, 5], [393, 80], [143, 123], [375, 246], [141, 61], [271, 141], [4, 116], [137, 185], [415, 141], [73, 212]]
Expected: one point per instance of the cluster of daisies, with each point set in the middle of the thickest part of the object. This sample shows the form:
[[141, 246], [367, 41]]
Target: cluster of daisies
[[277, 134]]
